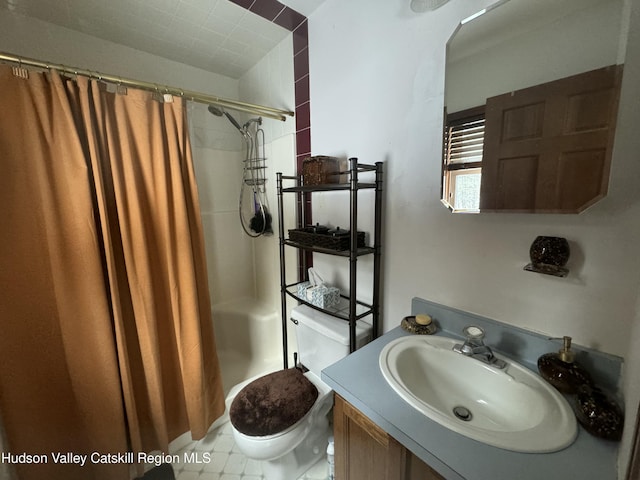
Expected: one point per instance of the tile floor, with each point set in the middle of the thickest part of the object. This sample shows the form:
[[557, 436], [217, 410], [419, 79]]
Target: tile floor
[[226, 461]]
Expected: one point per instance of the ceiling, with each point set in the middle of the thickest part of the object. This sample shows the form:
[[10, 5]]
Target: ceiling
[[510, 18], [214, 35]]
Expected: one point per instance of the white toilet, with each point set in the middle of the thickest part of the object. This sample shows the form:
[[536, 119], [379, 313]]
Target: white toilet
[[322, 341]]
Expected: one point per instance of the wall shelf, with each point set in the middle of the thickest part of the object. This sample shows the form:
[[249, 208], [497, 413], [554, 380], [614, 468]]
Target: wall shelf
[[339, 253], [349, 309], [340, 311]]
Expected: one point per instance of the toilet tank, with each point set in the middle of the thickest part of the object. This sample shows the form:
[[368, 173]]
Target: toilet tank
[[323, 339]]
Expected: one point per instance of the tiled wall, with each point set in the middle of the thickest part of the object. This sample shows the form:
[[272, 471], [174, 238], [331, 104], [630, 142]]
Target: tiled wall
[[253, 271], [217, 157], [270, 82], [295, 22]]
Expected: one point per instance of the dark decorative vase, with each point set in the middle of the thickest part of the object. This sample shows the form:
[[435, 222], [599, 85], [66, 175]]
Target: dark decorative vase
[[598, 413], [561, 370], [549, 255]]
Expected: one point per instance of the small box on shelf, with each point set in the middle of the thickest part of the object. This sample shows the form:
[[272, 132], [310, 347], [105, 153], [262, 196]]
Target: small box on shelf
[[317, 293], [320, 170], [308, 238]]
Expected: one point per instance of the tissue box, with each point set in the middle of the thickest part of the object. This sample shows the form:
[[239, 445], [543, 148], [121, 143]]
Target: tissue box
[[319, 295], [302, 290]]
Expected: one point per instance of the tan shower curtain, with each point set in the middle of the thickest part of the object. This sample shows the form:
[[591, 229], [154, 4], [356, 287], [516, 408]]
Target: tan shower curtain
[[107, 343]]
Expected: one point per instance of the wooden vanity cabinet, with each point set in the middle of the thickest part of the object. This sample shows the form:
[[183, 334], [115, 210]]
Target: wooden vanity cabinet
[[363, 451]]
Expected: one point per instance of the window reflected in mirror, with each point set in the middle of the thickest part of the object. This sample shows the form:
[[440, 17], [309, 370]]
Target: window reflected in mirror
[[462, 167]]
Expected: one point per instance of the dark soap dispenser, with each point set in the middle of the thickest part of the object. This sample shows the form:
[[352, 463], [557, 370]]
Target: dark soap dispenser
[[561, 371]]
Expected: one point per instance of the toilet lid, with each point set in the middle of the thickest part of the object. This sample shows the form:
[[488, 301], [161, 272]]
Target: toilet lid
[[272, 403]]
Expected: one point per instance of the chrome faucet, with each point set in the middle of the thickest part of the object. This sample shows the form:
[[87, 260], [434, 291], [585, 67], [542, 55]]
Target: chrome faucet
[[475, 348]]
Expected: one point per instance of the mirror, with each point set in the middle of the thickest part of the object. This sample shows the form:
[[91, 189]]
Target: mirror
[[512, 50]]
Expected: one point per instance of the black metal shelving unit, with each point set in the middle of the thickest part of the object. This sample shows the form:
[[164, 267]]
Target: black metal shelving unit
[[350, 309]]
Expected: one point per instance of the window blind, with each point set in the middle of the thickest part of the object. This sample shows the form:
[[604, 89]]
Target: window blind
[[464, 141]]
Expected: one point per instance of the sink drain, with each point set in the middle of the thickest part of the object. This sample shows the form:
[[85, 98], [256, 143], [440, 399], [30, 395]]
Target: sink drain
[[462, 413]]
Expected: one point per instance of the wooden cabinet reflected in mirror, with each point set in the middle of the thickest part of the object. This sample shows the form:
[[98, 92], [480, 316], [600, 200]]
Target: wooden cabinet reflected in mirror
[[545, 145], [547, 149]]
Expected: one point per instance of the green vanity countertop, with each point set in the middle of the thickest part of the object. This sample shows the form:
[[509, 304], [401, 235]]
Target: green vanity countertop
[[358, 379]]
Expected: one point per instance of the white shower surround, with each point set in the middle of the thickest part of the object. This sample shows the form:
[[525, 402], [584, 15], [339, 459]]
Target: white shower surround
[[246, 338], [244, 271]]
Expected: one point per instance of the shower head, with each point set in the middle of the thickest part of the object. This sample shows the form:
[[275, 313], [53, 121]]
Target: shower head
[[215, 110], [218, 112]]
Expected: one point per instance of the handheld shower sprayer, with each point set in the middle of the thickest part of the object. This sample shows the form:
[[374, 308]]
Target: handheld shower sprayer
[[253, 176], [215, 110], [218, 112]]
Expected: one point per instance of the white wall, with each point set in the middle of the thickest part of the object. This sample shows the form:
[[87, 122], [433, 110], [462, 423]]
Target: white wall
[[563, 47], [632, 393], [377, 81], [380, 98]]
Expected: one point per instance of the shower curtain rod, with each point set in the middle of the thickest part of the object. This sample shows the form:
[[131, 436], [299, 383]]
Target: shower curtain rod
[[254, 109]]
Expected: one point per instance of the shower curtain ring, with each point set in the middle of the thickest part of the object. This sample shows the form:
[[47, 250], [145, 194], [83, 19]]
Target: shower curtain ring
[[156, 94], [120, 89]]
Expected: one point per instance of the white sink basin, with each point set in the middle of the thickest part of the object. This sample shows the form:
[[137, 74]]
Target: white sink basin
[[513, 408]]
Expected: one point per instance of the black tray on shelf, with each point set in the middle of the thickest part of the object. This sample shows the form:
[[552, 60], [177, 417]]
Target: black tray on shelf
[[324, 240]]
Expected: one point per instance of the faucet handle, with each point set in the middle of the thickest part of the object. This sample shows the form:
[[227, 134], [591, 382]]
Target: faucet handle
[[473, 333]]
